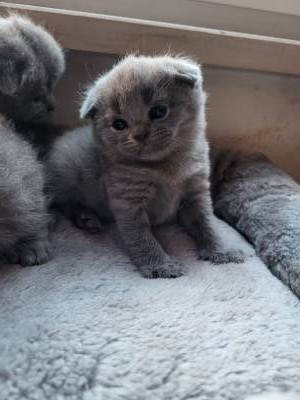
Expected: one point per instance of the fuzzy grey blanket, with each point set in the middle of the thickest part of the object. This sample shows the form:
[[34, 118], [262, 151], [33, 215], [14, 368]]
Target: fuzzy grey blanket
[[87, 326], [263, 203]]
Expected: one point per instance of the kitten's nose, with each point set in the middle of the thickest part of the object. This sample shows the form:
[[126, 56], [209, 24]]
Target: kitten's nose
[[140, 135]]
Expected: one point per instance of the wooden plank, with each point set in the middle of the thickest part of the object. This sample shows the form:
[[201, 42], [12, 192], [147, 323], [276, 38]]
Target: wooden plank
[[291, 7], [259, 17], [118, 35]]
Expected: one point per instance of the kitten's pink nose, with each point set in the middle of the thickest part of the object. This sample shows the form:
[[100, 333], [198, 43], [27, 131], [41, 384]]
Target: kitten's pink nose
[[140, 135]]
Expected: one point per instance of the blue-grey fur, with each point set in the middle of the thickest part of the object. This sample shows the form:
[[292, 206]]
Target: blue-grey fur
[[31, 62], [154, 171], [263, 203], [23, 206]]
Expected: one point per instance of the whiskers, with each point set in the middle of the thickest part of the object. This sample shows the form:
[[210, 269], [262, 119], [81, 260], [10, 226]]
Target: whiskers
[[131, 145], [160, 133]]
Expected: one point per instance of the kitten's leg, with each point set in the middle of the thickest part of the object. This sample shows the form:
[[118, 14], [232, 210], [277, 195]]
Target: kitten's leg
[[196, 216], [144, 250], [35, 252]]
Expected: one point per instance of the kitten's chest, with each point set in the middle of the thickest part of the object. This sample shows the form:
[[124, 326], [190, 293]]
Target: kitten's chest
[[164, 206], [170, 190]]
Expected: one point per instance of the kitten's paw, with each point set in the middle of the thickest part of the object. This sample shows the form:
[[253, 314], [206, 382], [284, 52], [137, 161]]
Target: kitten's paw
[[35, 253], [222, 257], [169, 269], [88, 220]]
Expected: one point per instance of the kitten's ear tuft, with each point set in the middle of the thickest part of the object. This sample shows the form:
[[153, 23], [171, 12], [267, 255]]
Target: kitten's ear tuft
[[188, 74], [88, 108], [89, 113], [186, 79]]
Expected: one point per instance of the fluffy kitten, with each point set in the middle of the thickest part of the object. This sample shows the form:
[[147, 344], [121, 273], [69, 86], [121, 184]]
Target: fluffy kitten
[[23, 209], [31, 62], [147, 162]]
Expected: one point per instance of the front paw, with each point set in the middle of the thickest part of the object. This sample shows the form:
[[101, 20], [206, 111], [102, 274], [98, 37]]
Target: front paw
[[169, 269], [87, 220], [34, 253], [222, 257]]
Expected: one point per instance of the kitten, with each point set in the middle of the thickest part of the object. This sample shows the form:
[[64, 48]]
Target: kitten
[[23, 208], [31, 62], [146, 162]]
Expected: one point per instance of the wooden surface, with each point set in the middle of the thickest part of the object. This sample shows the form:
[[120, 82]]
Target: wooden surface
[[119, 35], [252, 16], [291, 7]]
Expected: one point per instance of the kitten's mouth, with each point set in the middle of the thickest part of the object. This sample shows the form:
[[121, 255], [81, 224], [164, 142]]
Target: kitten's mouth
[[141, 148], [148, 151], [150, 148], [43, 117], [37, 118]]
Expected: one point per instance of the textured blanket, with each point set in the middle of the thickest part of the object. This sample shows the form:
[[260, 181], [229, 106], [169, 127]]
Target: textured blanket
[[87, 326]]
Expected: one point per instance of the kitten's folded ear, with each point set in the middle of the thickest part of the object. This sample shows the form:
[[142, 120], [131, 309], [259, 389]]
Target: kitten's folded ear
[[88, 108], [15, 70], [188, 73]]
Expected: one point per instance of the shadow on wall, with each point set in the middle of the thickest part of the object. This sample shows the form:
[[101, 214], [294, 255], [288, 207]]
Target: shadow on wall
[[82, 69]]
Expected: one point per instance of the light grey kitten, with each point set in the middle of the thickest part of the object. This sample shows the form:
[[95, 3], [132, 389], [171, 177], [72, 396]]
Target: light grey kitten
[[31, 62], [145, 164], [23, 209]]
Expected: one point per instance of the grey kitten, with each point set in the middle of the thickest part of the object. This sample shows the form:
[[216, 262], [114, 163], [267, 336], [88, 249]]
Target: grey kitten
[[23, 209], [31, 62], [147, 162], [263, 203]]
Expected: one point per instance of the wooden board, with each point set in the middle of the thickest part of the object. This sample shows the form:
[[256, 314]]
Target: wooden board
[[259, 17], [118, 35]]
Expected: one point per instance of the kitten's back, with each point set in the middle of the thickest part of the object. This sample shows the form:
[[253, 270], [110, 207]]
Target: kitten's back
[[23, 212], [73, 169]]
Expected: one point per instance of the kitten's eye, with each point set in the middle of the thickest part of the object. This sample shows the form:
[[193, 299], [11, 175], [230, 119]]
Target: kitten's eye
[[158, 112], [119, 124]]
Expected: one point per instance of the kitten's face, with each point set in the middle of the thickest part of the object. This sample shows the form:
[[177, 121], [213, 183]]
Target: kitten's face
[[31, 63], [34, 101], [146, 105]]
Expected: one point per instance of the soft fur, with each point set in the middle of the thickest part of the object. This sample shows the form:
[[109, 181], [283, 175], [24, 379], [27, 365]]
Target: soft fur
[[23, 214], [31, 62], [263, 203], [276, 396], [153, 170], [88, 327]]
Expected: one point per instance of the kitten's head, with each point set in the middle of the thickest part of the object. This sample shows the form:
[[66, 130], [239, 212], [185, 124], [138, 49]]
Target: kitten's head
[[146, 107], [31, 62]]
